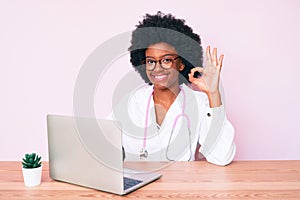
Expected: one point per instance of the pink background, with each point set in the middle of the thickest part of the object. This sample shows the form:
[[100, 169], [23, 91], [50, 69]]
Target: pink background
[[43, 45]]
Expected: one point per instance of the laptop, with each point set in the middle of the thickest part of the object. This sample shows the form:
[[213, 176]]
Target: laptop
[[88, 152]]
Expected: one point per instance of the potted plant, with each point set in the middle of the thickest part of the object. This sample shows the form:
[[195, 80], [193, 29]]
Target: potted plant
[[32, 169]]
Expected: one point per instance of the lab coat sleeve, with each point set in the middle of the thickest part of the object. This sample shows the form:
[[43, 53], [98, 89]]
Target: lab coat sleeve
[[217, 137]]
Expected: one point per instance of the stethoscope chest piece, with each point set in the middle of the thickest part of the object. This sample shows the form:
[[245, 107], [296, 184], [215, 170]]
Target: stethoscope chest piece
[[143, 153]]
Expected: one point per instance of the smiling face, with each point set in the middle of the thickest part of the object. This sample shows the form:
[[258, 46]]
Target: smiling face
[[163, 78]]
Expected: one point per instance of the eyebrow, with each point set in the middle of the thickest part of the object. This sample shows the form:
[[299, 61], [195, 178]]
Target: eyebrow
[[162, 56]]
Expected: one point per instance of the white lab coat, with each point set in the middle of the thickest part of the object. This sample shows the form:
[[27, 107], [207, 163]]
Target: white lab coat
[[219, 148]]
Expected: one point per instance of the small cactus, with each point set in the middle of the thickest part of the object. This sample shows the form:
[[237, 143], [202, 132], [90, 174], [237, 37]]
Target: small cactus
[[31, 161]]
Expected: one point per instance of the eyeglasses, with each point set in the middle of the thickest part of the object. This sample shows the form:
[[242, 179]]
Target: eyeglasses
[[165, 63]]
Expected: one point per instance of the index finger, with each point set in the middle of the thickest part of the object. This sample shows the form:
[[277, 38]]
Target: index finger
[[196, 69], [192, 73]]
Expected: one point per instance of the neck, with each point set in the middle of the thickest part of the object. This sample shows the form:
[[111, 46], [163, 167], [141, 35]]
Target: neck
[[163, 99], [165, 96]]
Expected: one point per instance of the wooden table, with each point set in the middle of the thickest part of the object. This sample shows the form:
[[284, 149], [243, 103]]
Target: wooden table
[[181, 180]]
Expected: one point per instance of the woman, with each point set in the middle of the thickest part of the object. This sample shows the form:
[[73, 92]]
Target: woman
[[179, 115]]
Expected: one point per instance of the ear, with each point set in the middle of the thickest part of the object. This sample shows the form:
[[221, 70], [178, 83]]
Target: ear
[[181, 66]]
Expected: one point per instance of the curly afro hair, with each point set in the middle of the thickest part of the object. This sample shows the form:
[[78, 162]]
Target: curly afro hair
[[165, 28]]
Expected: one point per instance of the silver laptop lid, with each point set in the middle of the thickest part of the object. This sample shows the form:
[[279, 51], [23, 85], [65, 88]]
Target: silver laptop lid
[[86, 152]]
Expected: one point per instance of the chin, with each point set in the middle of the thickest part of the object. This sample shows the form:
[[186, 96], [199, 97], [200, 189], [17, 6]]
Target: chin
[[162, 86]]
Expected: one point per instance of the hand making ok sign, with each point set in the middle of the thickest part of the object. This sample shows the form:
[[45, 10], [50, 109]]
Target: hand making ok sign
[[209, 80]]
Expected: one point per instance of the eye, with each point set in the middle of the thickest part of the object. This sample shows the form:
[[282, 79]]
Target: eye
[[149, 61], [167, 60]]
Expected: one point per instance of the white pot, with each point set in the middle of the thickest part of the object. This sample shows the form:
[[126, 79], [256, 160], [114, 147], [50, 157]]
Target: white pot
[[32, 177]]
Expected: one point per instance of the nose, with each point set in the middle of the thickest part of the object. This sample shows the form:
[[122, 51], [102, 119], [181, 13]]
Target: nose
[[158, 66]]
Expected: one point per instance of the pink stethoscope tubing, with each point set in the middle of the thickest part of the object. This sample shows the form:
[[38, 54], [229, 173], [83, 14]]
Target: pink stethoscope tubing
[[143, 152]]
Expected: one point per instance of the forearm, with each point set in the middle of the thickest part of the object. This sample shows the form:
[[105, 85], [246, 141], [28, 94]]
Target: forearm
[[214, 99], [217, 143]]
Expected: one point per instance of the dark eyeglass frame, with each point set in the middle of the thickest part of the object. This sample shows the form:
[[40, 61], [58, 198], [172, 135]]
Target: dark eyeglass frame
[[160, 62]]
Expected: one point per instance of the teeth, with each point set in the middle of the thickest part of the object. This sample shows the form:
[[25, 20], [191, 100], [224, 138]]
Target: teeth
[[160, 77]]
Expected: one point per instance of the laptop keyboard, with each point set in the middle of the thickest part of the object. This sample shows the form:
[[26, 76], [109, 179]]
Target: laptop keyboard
[[129, 182]]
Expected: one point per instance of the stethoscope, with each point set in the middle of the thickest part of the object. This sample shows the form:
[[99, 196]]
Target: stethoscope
[[143, 151]]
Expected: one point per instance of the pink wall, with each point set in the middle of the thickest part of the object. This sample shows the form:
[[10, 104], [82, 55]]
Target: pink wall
[[44, 44]]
